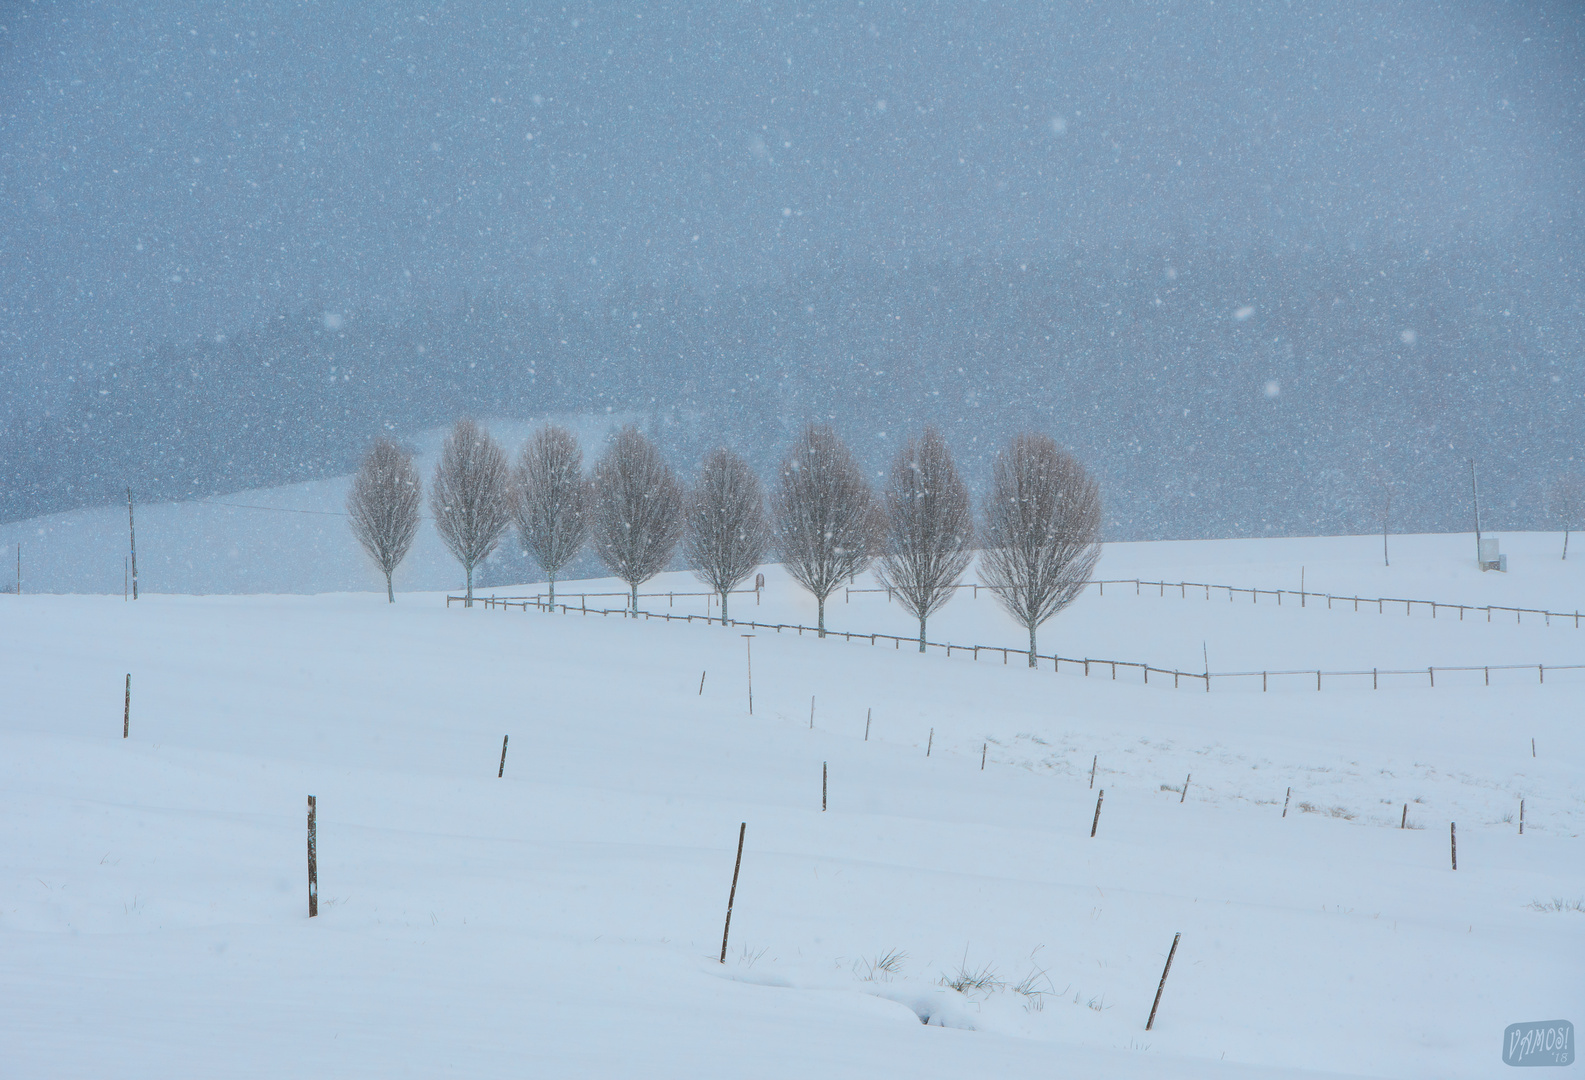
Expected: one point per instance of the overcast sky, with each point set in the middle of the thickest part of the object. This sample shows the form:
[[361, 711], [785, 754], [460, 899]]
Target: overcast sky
[[172, 169]]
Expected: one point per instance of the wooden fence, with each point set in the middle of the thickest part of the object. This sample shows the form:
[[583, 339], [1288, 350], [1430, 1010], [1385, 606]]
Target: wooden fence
[[1104, 667], [1304, 597]]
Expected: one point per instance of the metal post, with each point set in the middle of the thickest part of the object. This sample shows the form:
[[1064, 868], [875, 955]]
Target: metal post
[[748, 642]]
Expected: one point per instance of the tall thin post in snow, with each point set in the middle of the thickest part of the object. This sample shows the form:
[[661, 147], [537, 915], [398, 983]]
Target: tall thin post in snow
[[1162, 985], [732, 896], [1289, 795], [748, 642], [811, 712], [702, 674], [132, 539], [1185, 794], [1452, 836], [126, 709], [1093, 761], [931, 743], [867, 714], [822, 787], [1521, 817], [502, 770], [1097, 822], [313, 860]]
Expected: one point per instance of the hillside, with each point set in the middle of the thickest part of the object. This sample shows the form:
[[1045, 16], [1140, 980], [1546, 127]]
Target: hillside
[[566, 919]]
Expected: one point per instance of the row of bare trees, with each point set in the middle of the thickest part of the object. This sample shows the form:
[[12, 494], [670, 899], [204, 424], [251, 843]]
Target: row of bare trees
[[1038, 543]]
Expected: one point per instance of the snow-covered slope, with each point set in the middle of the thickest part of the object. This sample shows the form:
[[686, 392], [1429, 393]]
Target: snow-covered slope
[[566, 919]]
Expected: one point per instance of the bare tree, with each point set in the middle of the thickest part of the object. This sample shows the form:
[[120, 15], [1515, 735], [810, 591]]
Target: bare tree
[[1041, 525], [1568, 501], [551, 500], [382, 507], [471, 496], [727, 530], [930, 528], [828, 525], [638, 508]]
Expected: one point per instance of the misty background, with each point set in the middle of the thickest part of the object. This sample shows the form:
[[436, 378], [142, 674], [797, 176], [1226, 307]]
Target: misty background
[[1252, 262]]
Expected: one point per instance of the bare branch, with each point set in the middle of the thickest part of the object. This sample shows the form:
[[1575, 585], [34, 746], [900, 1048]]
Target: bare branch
[[930, 530], [382, 507], [471, 496], [551, 500], [638, 507], [827, 523], [727, 530], [1041, 524]]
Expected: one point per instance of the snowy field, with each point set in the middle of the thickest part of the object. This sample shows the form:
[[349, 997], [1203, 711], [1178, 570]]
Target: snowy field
[[566, 919]]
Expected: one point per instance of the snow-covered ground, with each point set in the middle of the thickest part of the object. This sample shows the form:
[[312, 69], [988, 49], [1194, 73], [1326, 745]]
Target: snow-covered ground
[[566, 920]]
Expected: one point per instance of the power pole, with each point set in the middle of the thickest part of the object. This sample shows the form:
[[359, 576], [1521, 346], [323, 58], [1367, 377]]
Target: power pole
[[132, 535], [1474, 487]]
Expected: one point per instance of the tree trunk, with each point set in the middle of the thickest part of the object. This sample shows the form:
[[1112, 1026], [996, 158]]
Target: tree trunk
[[469, 601], [723, 606], [822, 603], [1565, 545], [634, 587], [921, 635], [553, 591], [390, 593], [1032, 645]]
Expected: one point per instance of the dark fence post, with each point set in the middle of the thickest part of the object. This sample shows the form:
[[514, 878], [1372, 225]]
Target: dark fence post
[[1163, 983], [732, 896]]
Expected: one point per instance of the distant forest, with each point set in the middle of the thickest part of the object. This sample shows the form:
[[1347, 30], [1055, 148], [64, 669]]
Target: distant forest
[[1236, 395]]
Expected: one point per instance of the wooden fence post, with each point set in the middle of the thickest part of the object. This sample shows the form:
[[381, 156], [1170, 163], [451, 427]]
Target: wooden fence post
[[1163, 983], [985, 746], [702, 674], [867, 714], [1403, 823], [1452, 835], [313, 860], [1285, 799], [1093, 760], [502, 770], [126, 711], [822, 787], [1097, 822], [1185, 794], [732, 896], [931, 743]]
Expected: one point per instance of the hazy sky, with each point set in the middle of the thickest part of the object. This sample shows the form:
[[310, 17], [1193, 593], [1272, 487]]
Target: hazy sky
[[169, 169]]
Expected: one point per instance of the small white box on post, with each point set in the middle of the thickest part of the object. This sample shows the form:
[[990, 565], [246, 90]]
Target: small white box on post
[[1490, 557]]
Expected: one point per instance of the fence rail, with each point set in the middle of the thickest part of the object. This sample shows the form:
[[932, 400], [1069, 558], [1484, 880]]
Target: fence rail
[[1104, 666], [1304, 596]]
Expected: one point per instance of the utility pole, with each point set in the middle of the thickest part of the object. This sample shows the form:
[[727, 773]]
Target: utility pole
[[1474, 487], [132, 535]]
